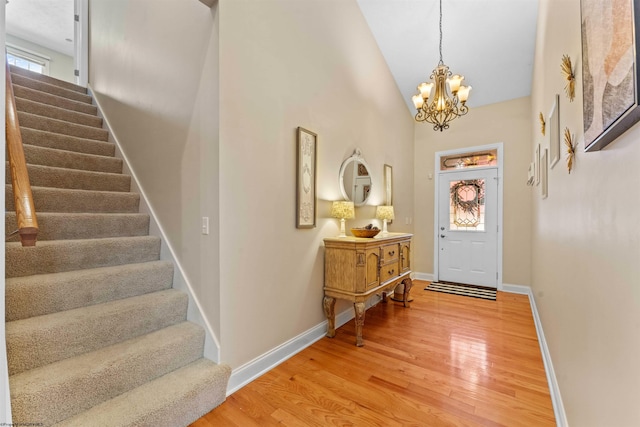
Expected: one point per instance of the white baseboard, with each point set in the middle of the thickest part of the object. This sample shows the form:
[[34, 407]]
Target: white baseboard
[[423, 276], [248, 372], [554, 389]]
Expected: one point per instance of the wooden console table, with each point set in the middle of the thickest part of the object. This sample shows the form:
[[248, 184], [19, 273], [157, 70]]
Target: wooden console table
[[356, 268]]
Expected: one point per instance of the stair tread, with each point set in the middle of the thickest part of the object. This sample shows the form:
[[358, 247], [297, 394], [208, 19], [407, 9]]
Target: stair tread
[[71, 226], [57, 177], [23, 80], [55, 157], [51, 199], [43, 138], [56, 256], [41, 294], [51, 80], [34, 121], [104, 373], [41, 340], [51, 99], [177, 398], [58, 113]]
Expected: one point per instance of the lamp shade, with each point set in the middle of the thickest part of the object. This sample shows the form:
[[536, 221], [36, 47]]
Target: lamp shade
[[384, 212], [343, 209]]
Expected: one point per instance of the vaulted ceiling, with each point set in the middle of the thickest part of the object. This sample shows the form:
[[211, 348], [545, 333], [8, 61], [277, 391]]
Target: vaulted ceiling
[[490, 42]]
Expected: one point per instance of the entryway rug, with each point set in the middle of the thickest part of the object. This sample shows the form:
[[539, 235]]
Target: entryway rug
[[460, 289]]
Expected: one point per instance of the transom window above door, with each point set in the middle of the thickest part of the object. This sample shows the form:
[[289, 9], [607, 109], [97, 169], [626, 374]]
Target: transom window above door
[[469, 160]]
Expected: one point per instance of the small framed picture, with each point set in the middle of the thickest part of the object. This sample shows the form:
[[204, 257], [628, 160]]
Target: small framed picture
[[307, 145], [554, 133], [536, 164], [544, 184]]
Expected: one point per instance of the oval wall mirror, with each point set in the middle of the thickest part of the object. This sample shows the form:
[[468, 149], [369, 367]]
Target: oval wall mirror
[[355, 179]]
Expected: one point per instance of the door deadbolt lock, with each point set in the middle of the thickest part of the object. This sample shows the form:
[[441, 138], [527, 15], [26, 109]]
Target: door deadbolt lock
[[442, 228]]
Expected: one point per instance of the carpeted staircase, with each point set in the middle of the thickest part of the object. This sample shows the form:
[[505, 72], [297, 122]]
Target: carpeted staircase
[[96, 336]]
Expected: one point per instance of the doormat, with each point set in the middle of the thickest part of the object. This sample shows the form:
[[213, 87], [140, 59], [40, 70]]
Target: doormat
[[465, 290]]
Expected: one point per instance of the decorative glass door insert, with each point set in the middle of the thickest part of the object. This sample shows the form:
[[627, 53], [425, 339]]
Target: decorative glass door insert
[[467, 207]]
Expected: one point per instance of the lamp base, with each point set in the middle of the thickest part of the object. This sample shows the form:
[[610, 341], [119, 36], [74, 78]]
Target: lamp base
[[384, 227], [342, 231]]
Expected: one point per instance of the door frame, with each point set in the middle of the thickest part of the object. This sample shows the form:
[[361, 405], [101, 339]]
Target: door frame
[[499, 147], [81, 41]]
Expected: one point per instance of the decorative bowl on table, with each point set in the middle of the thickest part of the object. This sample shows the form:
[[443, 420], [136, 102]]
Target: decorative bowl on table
[[365, 232]]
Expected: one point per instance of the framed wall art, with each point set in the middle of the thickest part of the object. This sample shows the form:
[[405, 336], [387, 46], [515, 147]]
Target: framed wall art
[[536, 165], [388, 185], [544, 176], [554, 132], [307, 146], [610, 74]]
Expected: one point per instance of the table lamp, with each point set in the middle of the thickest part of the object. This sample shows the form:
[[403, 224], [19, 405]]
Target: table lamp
[[385, 213], [342, 209]]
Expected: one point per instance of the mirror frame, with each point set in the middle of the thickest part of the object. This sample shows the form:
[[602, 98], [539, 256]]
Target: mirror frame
[[355, 157]]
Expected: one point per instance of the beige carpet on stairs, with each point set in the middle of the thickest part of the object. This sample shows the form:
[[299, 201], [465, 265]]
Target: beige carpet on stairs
[[96, 336]]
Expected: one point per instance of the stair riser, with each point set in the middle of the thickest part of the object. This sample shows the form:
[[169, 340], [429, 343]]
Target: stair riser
[[67, 255], [66, 142], [45, 294], [46, 79], [38, 341], [121, 368], [83, 226], [68, 159], [32, 121], [45, 176], [56, 101], [44, 110], [62, 200]]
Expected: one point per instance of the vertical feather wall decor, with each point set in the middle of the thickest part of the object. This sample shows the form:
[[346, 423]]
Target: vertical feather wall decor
[[569, 75], [571, 148]]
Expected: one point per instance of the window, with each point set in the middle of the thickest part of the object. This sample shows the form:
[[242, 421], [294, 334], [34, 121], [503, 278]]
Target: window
[[27, 60]]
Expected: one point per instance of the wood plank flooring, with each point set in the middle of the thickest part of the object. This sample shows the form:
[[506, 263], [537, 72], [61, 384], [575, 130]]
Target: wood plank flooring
[[448, 360]]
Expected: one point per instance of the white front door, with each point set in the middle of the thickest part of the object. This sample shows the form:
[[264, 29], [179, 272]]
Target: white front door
[[468, 227]]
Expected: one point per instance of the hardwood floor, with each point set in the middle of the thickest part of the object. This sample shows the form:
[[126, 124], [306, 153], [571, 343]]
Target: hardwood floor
[[446, 361]]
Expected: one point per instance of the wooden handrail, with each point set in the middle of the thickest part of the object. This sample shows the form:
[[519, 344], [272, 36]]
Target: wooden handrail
[[25, 211]]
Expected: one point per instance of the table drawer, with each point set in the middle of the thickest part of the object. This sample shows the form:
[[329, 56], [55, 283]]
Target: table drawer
[[389, 253], [389, 271]]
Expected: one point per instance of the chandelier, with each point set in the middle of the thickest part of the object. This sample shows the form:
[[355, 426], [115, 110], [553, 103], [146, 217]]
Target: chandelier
[[445, 105]]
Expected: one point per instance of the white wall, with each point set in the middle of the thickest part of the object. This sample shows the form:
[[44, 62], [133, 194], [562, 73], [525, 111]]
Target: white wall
[[285, 64], [586, 246], [60, 66], [507, 122]]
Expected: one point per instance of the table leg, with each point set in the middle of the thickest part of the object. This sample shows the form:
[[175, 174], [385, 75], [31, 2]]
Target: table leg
[[408, 283], [329, 305], [359, 308], [384, 296]]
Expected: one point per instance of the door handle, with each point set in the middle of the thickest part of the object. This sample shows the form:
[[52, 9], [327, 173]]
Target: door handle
[[442, 235]]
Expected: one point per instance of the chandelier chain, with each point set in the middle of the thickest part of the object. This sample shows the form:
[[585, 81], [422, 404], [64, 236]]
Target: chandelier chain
[[441, 61]]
